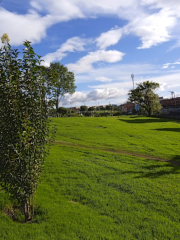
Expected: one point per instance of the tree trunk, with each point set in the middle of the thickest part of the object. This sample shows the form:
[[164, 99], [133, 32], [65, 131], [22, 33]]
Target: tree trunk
[[57, 103], [27, 212]]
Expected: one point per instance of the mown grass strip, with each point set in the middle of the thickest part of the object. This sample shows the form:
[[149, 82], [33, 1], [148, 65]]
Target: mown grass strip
[[158, 138], [119, 152]]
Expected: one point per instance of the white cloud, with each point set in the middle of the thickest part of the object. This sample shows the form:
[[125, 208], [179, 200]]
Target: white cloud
[[169, 82], [121, 75], [166, 65], [86, 62], [63, 10], [173, 4], [109, 38], [79, 8], [79, 98], [71, 45], [118, 72], [153, 29], [103, 79], [50, 57], [36, 5], [74, 44], [30, 26]]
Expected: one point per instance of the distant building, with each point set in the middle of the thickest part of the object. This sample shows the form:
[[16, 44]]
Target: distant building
[[74, 108], [170, 105], [127, 108]]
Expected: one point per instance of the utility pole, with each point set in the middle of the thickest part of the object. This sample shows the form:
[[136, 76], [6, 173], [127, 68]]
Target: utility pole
[[173, 96], [132, 76]]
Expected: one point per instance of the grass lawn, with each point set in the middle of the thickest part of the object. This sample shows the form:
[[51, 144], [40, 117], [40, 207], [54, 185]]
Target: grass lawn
[[91, 194], [149, 136]]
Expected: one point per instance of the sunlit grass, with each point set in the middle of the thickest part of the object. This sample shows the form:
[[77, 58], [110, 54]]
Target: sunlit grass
[[150, 136], [91, 195]]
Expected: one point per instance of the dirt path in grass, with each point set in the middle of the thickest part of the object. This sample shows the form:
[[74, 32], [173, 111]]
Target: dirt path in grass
[[119, 152]]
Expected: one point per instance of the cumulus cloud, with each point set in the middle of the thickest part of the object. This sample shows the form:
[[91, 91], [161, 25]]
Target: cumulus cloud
[[63, 10], [79, 98], [79, 8], [153, 29], [109, 38], [86, 62], [71, 45], [122, 82], [19, 27]]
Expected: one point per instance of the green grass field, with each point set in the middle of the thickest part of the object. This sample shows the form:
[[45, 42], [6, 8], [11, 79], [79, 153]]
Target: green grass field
[[88, 192], [149, 136]]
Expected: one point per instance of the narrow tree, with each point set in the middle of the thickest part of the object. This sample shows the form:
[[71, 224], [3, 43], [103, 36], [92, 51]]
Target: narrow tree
[[63, 80], [23, 124], [145, 97]]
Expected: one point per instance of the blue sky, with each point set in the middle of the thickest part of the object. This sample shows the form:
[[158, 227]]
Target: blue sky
[[102, 41]]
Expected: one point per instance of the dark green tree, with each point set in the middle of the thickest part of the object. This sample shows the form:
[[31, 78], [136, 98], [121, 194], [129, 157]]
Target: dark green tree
[[91, 109], [102, 108], [145, 97], [63, 81], [63, 111], [24, 126], [83, 108]]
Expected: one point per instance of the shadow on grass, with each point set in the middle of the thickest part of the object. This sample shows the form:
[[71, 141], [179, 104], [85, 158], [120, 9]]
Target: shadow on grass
[[140, 120], [168, 129], [155, 171]]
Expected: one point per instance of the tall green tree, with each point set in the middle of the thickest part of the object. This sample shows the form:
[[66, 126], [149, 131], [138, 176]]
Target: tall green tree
[[145, 97], [24, 125], [63, 80]]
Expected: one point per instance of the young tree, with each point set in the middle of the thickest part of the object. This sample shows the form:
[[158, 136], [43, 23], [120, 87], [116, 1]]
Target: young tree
[[145, 97], [24, 125], [63, 80], [110, 107]]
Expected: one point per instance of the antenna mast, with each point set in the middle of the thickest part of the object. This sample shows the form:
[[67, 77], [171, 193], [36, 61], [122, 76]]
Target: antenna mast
[[132, 76]]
